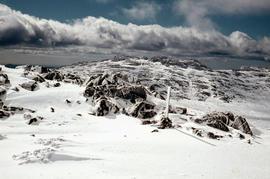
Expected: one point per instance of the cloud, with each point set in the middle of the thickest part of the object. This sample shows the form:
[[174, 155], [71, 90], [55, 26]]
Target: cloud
[[103, 36], [197, 11], [103, 1], [143, 11]]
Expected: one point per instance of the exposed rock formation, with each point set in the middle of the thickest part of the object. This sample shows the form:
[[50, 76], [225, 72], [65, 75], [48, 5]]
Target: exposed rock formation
[[39, 78], [31, 85], [222, 121], [4, 79], [104, 107], [54, 75], [165, 122], [143, 110]]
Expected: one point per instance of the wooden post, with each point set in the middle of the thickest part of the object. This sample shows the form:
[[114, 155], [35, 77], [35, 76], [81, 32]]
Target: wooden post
[[168, 102]]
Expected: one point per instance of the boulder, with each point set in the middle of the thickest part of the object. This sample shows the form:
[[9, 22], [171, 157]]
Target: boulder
[[1, 103], [71, 78], [165, 122], [241, 124], [104, 107], [3, 93], [143, 110], [39, 78], [4, 114], [4, 79], [44, 69], [89, 91], [12, 108], [132, 93], [32, 121], [57, 85], [224, 120], [54, 75], [31, 86], [211, 135]]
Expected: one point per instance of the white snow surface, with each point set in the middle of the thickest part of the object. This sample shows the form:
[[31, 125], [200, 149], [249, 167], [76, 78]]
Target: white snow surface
[[66, 145]]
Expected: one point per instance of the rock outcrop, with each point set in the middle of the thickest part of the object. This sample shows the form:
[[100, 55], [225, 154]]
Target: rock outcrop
[[4, 79], [143, 110], [224, 120], [31, 85], [54, 75]]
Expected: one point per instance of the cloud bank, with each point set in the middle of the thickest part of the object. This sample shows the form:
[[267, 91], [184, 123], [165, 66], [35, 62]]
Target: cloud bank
[[101, 35]]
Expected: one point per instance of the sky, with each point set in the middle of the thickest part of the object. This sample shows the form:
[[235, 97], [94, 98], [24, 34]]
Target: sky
[[60, 32]]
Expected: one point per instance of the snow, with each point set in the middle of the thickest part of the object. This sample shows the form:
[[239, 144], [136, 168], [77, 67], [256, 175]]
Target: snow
[[66, 145]]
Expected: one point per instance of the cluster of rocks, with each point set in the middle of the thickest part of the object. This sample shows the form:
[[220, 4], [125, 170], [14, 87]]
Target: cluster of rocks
[[118, 93], [107, 91], [45, 73], [224, 120]]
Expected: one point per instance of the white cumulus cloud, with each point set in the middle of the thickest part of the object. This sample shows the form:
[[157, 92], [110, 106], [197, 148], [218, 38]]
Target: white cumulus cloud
[[197, 11], [143, 11], [100, 35]]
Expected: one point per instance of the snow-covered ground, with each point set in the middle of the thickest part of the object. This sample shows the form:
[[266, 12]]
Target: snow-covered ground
[[71, 143]]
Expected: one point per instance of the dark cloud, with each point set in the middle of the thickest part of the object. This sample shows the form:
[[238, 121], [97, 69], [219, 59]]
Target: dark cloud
[[99, 35]]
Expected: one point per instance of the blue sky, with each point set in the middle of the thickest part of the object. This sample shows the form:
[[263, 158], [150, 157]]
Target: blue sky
[[53, 28]]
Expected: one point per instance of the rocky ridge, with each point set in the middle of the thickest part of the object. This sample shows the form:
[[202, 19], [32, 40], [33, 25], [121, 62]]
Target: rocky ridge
[[132, 86]]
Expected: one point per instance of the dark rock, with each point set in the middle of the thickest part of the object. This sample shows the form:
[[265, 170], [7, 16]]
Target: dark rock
[[241, 136], [1, 103], [39, 78], [52, 109], [31, 86], [147, 122], [16, 89], [105, 106], [79, 114], [224, 120], [57, 85], [33, 120], [147, 114], [3, 93], [219, 125], [32, 111], [198, 132], [165, 122], [241, 124], [211, 135], [67, 101], [71, 78], [132, 93], [12, 108], [184, 111], [44, 70], [143, 110], [155, 130], [4, 79], [54, 75], [89, 91], [4, 114]]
